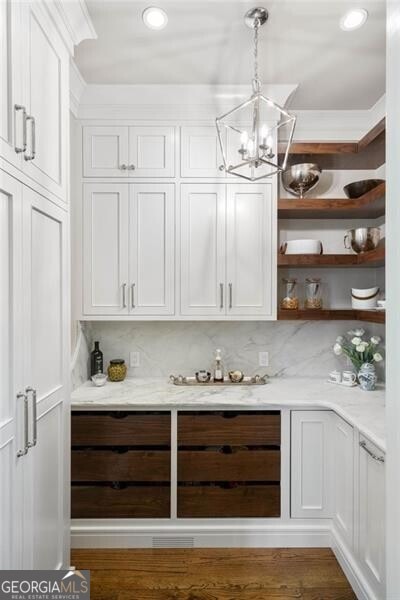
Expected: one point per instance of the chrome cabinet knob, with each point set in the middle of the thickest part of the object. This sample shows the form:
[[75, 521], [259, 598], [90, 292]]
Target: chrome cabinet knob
[[123, 167], [131, 167]]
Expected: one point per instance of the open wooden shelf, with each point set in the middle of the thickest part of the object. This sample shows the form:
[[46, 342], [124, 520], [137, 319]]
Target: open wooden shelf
[[374, 258], [342, 314], [369, 206]]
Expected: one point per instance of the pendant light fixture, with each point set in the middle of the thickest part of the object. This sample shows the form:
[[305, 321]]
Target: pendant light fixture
[[248, 134]]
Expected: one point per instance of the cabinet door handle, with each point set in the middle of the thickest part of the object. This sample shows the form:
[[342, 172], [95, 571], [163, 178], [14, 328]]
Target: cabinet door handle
[[32, 155], [26, 441], [372, 455], [124, 295], [131, 167], [230, 295], [221, 167], [30, 390], [123, 167], [133, 295], [221, 296], [17, 108]]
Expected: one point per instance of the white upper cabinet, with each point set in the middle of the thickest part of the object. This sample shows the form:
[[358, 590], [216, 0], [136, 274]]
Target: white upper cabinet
[[151, 249], [105, 151], [250, 271], [200, 152], [343, 476], [128, 249], [128, 151], [46, 97], [203, 226], [311, 464], [372, 515], [105, 249]]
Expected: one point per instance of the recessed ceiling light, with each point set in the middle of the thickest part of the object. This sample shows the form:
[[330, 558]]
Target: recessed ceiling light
[[154, 17], [354, 19]]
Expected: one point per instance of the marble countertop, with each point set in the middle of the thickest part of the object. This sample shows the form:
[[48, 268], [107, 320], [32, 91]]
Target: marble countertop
[[364, 410]]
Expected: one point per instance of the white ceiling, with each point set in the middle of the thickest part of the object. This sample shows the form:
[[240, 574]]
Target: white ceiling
[[208, 42]]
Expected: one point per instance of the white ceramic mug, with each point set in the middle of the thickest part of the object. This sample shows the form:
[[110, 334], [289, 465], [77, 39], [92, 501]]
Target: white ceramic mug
[[335, 376], [348, 377]]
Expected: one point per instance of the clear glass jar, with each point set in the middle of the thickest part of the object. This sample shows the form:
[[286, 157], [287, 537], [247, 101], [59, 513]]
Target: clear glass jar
[[290, 300], [313, 299], [117, 369]]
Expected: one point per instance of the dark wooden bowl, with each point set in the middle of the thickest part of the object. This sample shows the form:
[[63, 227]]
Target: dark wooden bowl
[[359, 188]]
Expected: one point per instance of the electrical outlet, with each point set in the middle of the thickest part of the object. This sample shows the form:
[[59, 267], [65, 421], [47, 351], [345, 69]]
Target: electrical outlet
[[134, 359], [263, 359]]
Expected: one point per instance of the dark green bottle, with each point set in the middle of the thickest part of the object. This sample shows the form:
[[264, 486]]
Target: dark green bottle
[[96, 360]]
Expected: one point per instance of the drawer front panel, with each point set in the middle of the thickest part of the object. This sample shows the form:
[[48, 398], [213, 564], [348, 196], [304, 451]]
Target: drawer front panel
[[131, 502], [134, 465], [243, 465], [120, 429], [229, 428], [242, 501]]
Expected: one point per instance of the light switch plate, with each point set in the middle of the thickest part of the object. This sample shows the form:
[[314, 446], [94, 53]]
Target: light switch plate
[[134, 359], [263, 359]]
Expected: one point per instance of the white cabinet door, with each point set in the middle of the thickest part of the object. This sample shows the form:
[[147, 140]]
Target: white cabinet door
[[46, 93], [151, 151], [372, 515], [311, 464], [250, 272], [203, 211], [343, 477], [105, 249], [11, 109], [200, 152], [151, 249], [105, 152], [47, 355], [11, 383]]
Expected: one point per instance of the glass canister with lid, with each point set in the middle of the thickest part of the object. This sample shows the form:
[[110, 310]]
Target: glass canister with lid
[[290, 300], [313, 290], [117, 369]]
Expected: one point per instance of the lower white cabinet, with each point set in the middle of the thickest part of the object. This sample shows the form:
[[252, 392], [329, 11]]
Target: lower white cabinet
[[371, 515], [343, 479], [311, 464], [128, 249], [227, 249], [34, 315]]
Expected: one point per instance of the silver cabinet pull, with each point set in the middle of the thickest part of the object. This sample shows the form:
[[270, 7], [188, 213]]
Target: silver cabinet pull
[[30, 390], [364, 446], [133, 295], [131, 167], [230, 295], [123, 167], [26, 440], [221, 296], [17, 108], [32, 155], [124, 295], [221, 167]]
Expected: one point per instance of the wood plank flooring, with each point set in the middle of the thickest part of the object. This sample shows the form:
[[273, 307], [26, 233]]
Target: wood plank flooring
[[214, 574]]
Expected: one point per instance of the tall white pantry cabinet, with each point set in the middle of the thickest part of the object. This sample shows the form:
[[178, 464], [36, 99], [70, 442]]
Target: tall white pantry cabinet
[[34, 285]]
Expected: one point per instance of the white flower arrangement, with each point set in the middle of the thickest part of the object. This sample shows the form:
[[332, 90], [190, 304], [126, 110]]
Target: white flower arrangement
[[357, 349]]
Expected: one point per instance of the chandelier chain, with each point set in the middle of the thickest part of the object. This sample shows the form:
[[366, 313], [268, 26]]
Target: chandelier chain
[[256, 81]]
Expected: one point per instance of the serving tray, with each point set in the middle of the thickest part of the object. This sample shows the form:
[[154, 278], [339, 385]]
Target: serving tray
[[187, 381]]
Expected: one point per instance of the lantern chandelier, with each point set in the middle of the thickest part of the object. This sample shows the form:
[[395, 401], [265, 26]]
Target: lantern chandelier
[[248, 134]]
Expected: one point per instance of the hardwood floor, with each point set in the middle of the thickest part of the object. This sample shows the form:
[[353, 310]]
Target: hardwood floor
[[214, 574]]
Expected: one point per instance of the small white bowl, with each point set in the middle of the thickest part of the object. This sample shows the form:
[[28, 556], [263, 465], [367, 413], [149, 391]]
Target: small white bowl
[[303, 247], [99, 379]]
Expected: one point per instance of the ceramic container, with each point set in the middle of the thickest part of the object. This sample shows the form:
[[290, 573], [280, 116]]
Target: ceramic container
[[302, 247], [367, 377], [364, 299]]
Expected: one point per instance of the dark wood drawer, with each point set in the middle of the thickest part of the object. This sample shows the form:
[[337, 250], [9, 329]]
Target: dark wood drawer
[[229, 428], [133, 465], [242, 465], [120, 429], [136, 502], [242, 501]]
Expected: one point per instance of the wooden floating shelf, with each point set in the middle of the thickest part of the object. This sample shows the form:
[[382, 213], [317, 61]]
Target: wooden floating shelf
[[369, 206], [374, 258], [341, 314]]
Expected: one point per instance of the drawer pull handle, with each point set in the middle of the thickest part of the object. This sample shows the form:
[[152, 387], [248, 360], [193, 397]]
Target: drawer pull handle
[[118, 414], [372, 455]]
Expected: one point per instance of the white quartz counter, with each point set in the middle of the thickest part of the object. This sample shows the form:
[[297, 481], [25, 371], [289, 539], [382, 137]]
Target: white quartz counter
[[364, 410]]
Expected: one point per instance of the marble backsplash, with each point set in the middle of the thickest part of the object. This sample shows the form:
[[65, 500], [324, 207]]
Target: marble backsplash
[[295, 348]]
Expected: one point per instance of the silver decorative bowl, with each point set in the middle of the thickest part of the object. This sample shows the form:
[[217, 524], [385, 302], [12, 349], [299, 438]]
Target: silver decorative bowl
[[300, 179]]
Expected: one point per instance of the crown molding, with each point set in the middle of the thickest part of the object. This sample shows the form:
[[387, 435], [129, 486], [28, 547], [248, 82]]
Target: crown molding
[[72, 20]]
